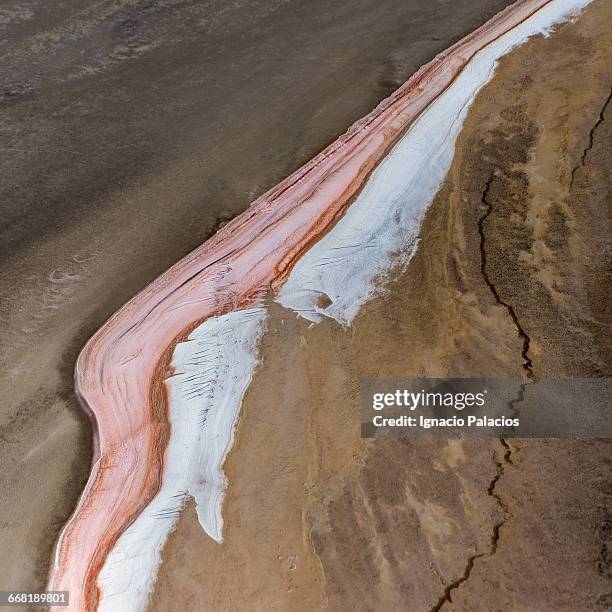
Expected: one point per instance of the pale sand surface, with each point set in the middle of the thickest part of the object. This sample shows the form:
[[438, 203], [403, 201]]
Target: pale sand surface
[[315, 517], [130, 131]]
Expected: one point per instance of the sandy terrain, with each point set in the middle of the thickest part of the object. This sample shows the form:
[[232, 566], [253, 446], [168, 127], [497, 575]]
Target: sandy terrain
[[509, 280], [131, 131]]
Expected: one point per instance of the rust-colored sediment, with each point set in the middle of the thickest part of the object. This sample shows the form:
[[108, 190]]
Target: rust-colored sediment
[[120, 372]]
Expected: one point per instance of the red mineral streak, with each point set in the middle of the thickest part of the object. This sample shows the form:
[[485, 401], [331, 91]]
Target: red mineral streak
[[120, 372]]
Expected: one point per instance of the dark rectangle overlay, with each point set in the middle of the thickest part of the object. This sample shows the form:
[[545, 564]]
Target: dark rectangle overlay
[[486, 407]]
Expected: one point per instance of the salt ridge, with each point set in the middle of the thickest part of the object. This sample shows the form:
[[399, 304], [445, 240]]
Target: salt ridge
[[213, 369], [122, 373], [380, 230]]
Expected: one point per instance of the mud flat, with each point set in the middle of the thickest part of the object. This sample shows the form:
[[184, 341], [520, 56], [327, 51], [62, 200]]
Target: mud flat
[[316, 517]]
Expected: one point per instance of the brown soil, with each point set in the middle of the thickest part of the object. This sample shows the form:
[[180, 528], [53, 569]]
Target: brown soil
[[509, 280]]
